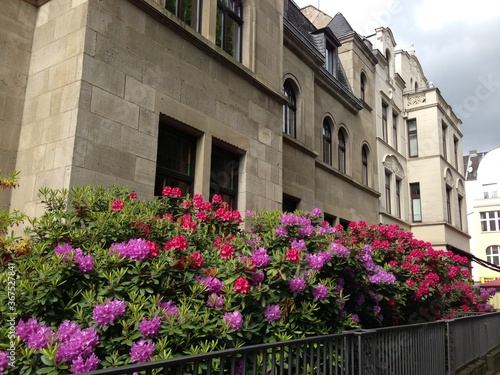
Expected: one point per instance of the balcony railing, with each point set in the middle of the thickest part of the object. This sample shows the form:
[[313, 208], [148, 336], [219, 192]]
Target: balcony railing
[[441, 347]]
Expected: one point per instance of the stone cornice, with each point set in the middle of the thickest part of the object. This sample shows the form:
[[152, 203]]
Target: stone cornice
[[37, 3]]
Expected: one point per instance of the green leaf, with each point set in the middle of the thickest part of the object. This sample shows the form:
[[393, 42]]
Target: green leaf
[[46, 360]]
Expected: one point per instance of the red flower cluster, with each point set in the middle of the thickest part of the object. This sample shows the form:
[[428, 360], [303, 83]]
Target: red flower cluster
[[176, 243]]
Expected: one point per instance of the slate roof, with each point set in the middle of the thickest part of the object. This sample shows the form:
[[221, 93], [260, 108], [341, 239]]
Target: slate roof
[[471, 164], [339, 26]]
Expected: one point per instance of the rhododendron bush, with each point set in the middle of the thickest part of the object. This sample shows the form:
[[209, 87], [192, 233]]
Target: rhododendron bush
[[111, 279]]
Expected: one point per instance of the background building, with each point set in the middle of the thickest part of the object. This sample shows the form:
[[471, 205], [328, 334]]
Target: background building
[[270, 106], [482, 174]]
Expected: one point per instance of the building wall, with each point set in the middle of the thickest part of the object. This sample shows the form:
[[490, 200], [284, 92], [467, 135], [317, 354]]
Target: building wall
[[17, 22]]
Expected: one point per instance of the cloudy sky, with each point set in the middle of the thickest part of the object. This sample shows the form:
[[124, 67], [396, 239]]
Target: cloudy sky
[[458, 45]]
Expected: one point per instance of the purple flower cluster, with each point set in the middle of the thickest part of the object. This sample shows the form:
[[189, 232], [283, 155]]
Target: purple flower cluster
[[136, 248], [258, 277], [109, 312], [317, 261], [297, 284], [260, 257], [215, 301], [35, 335], [272, 313], [298, 245], [85, 262], [281, 231], [213, 284], [292, 219], [339, 250], [170, 310], [4, 361], [142, 350], [320, 292], [85, 365], [382, 276], [316, 212], [355, 318], [234, 320], [150, 328], [75, 342]]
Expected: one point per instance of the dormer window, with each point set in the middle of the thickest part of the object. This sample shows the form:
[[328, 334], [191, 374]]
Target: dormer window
[[330, 58]]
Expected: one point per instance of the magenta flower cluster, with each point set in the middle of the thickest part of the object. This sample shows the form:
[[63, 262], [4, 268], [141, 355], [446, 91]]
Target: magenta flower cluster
[[142, 350], [150, 328], [320, 292], [136, 249], [110, 311], [234, 320], [297, 284], [215, 301], [272, 313], [85, 262], [260, 257], [169, 309], [4, 361], [76, 346], [35, 335], [213, 284]]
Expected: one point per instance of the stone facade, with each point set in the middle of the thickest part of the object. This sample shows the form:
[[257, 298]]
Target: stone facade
[[295, 105]]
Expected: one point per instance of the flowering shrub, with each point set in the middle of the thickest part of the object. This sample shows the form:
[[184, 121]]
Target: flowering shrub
[[112, 280]]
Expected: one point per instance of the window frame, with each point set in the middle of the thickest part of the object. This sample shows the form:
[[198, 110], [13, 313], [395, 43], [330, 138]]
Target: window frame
[[363, 87], [364, 165], [327, 142], [172, 177], [415, 197], [230, 10], [460, 199], [385, 111], [387, 189], [488, 219], [448, 204], [219, 153], [398, 197], [180, 7], [493, 257], [412, 135], [342, 151], [395, 120], [290, 110], [444, 131]]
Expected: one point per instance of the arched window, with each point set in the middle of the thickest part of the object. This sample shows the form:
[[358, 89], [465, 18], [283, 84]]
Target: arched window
[[363, 86], [364, 165], [342, 152], [289, 110], [416, 86], [327, 142]]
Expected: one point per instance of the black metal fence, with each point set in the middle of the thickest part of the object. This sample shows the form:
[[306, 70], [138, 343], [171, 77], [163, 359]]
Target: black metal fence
[[435, 348]]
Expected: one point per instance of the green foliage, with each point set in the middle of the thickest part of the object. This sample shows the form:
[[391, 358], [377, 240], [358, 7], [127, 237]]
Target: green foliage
[[210, 284]]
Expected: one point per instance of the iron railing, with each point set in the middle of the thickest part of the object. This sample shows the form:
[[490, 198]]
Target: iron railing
[[441, 347]]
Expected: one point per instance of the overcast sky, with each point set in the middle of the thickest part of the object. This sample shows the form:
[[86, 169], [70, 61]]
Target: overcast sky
[[458, 45]]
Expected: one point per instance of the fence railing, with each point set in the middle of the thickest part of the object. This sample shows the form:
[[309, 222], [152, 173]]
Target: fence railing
[[441, 347]]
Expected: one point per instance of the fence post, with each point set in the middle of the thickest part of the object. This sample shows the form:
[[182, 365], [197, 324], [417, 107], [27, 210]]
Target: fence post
[[450, 347]]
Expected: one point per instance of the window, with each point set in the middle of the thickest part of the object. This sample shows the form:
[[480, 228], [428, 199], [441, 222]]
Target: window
[[228, 34], [388, 58], [330, 59], [224, 171], [290, 204], [330, 219], [412, 138], [493, 254], [490, 221], [416, 206], [344, 223], [395, 130], [455, 151], [289, 110], [388, 176], [460, 211], [443, 134], [364, 166], [398, 197], [363, 87], [490, 191], [342, 152], [188, 11], [384, 121], [327, 142], [175, 160], [448, 204]]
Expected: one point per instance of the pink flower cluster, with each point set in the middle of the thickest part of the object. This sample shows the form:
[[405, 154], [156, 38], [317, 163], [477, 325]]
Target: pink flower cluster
[[35, 335], [85, 262]]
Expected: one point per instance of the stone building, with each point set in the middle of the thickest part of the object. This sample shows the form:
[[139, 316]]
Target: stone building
[[270, 106]]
